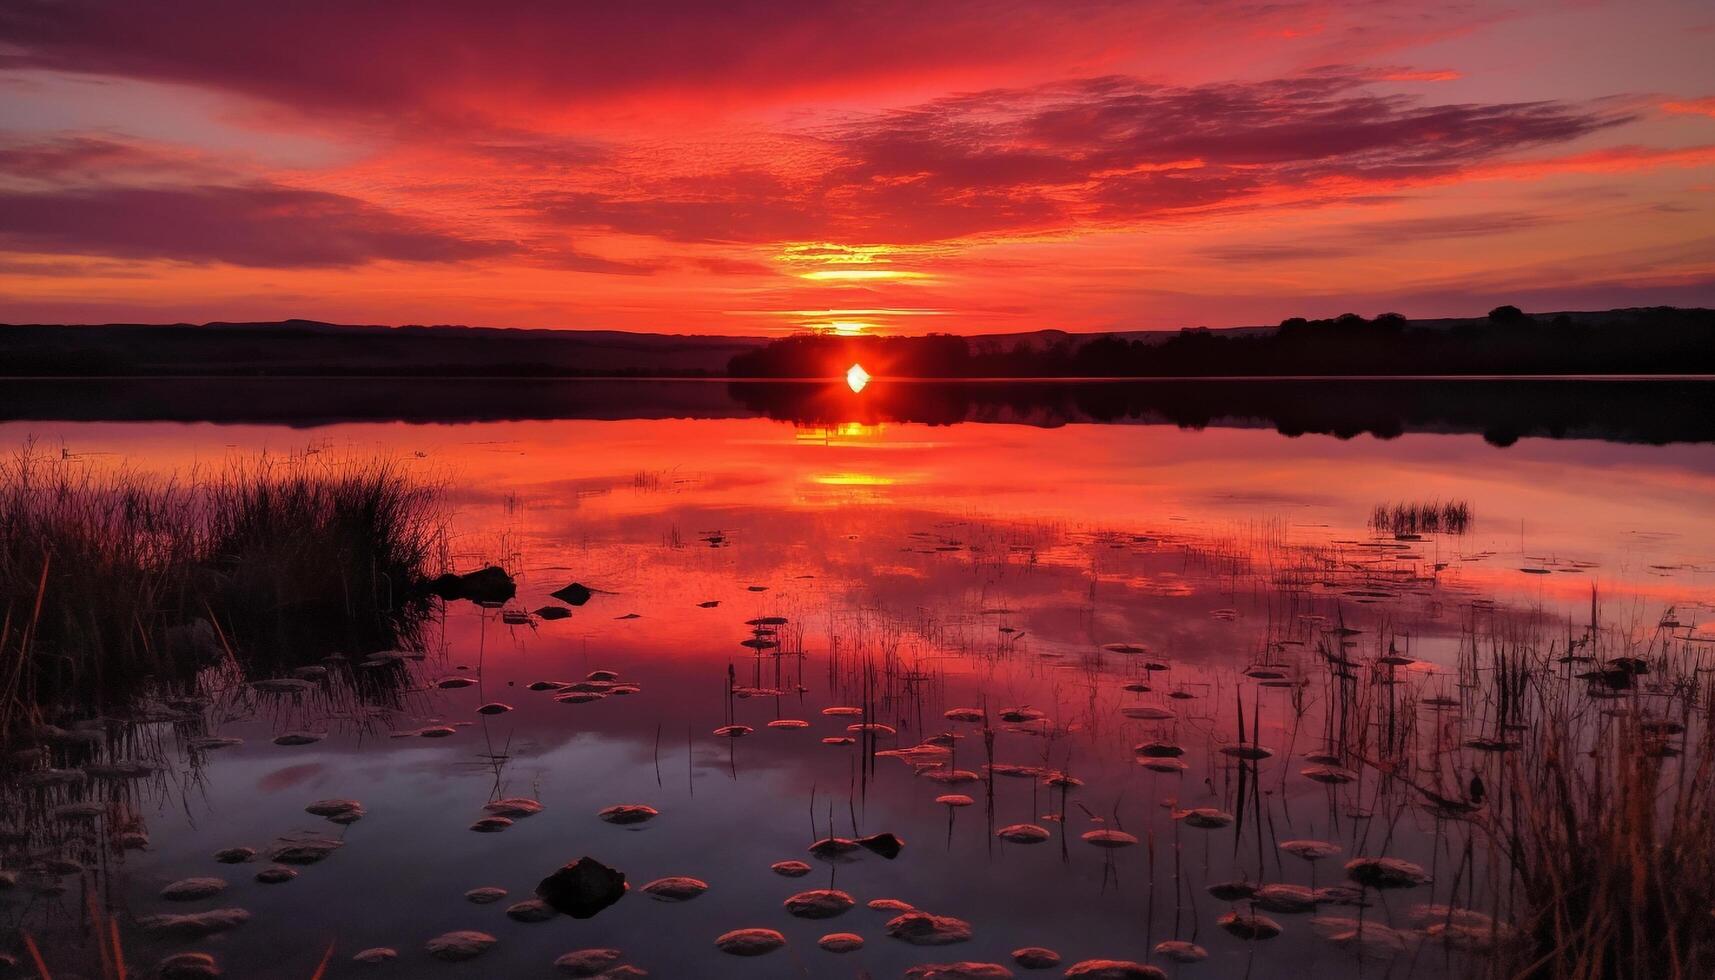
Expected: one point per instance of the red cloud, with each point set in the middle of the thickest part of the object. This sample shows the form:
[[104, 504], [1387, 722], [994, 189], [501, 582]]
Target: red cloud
[[1098, 152], [254, 225]]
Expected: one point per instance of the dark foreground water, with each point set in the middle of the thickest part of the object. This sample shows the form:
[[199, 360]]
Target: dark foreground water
[[1090, 588]]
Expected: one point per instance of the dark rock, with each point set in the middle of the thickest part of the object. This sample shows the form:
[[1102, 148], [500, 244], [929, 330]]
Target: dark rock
[[491, 584], [886, 845], [573, 595], [582, 888]]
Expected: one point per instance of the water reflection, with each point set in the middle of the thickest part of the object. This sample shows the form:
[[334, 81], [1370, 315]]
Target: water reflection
[[785, 634], [1501, 411]]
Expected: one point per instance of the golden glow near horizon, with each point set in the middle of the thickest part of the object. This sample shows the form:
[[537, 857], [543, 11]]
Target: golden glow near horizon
[[857, 377], [862, 275]]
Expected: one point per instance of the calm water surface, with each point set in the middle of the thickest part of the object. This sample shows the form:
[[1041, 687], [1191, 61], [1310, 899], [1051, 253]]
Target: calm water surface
[[919, 569]]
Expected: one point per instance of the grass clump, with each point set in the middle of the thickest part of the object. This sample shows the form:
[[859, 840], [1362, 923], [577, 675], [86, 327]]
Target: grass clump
[[1422, 517], [109, 576]]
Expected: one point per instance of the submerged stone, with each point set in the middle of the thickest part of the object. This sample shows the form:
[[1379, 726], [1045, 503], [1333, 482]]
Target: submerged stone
[[1022, 833], [1036, 958], [1310, 850], [820, 903], [485, 895], [676, 889], [513, 807], [193, 925], [1181, 951], [890, 905], [832, 847], [954, 799], [304, 850], [299, 738], [841, 942], [459, 945], [1285, 899], [187, 966], [375, 955], [587, 962], [629, 813], [959, 971], [339, 811], [1386, 873], [234, 855], [1114, 970], [275, 874], [1205, 818], [1330, 775], [491, 824], [1109, 838], [530, 910], [1249, 927], [749, 942], [193, 889], [923, 929], [790, 869]]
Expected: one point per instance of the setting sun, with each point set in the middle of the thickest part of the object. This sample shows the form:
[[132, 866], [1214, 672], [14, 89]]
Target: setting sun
[[857, 377]]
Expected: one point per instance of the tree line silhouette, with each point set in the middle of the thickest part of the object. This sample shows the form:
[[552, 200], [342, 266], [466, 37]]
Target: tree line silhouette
[[1659, 340]]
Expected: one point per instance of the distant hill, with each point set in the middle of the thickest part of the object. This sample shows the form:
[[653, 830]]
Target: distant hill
[[308, 347], [1654, 340]]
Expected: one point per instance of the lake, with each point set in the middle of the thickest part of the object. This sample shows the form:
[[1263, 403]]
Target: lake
[[1178, 632]]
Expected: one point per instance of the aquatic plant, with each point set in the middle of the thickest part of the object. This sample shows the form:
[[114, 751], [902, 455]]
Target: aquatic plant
[[1422, 517]]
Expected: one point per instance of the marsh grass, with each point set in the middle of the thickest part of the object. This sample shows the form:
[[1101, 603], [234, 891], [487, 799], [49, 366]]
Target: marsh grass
[[110, 576], [1422, 517], [1608, 824]]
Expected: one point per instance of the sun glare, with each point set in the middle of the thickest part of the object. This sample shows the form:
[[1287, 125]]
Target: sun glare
[[857, 377]]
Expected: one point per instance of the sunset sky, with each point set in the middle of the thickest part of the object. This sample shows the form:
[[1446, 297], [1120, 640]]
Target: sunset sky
[[760, 167]]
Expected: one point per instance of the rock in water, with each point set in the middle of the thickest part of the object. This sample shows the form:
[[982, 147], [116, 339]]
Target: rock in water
[[626, 814], [490, 584], [820, 903], [188, 966], [575, 594], [304, 850], [530, 910], [841, 942], [923, 929], [194, 925], [1114, 970], [587, 962], [1036, 958], [1181, 951], [750, 942], [886, 845], [676, 889], [459, 945], [959, 971], [582, 888], [193, 889], [1386, 873], [375, 954]]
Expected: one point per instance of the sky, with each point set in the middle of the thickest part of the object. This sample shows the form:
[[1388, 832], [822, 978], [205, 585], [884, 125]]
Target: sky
[[759, 167]]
